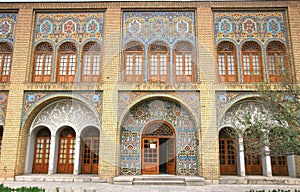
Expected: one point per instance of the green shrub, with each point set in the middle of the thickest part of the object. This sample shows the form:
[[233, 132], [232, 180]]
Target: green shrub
[[22, 189]]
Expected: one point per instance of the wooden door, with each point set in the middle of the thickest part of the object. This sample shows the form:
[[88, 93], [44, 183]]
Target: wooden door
[[41, 155], [253, 162], [90, 155], [171, 156], [66, 154], [150, 156], [279, 166], [227, 155]]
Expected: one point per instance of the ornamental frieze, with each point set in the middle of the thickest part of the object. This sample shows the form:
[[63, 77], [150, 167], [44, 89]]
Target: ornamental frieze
[[241, 25]]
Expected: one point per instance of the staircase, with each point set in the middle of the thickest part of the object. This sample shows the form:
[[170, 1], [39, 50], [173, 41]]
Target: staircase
[[159, 180]]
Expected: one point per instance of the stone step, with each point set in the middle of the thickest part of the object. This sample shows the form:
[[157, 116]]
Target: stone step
[[159, 182], [59, 178]]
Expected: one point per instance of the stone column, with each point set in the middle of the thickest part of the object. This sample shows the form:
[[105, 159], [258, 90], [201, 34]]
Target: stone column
[[241, 157], [291, 165], [77, 156], [266, 162], [51, 168]]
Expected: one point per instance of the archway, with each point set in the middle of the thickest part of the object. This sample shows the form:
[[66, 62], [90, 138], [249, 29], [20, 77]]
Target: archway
[[90, 150], [66, 150], [158, 148], [227, 151], [170, 114], [41, 150]]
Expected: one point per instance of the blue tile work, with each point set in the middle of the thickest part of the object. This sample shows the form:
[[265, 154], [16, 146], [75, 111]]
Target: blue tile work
[[8, 23], [168, 26], [91, 98], [239, 26], [158, 109], [79, 27], [3, 105]]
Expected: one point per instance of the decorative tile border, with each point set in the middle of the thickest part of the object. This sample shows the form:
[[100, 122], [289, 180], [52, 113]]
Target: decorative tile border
[[8, 23]]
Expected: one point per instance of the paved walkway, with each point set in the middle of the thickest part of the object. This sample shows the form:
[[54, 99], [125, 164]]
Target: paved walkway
[[105, 187]]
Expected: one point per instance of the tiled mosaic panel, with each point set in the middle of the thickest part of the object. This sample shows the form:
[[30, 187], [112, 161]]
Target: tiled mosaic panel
[[3, 106], [79, 27], [169, 26], [192, 98], [31, 99], [158, 109], [239, 25], [8, 23]]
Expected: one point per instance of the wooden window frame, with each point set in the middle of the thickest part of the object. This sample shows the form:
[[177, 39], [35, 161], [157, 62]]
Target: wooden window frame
[[227, 48], [276, 48], [44, 51], [159, 51], [5, 51], [93, 49], [184, 49], [71, 51], [134, 49], [251, 52]]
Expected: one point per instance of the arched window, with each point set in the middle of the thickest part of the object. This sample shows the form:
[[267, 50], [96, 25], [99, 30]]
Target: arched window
[[159, 62], [276, 61], [6, 52], [134, 62], [227, 62], [43, 55], [67, 62], [91, 62], [252, 65], [183, 57]]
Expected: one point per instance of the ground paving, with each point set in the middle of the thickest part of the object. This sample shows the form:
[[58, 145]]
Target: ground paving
[[106, 187]]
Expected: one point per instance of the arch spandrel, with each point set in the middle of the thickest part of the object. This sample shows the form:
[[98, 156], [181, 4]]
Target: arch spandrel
[[66, 112]]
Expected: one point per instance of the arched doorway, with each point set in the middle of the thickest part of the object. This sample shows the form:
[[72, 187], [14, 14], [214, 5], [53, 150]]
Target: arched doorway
[[41, 151], [252, 151], [158, 148], [90, 150], [66, 150], [227, 151]]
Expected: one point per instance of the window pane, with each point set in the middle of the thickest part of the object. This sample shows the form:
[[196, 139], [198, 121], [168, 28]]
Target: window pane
[[280, 59], [38, 64], [86, 64], [179, 65], [246, 59], [256, 64], [163, 64], [230, 62], [138, 64], [129, 64], [221, 62], [72, 64], [271, 60], [96, 65], [6, 66], [154, 64], [48, 61], [188, 64], [63, 64]]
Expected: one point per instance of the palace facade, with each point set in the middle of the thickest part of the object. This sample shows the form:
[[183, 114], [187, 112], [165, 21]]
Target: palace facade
[[129, 88]]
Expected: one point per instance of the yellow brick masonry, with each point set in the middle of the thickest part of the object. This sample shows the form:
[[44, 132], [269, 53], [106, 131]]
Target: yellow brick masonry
[[11, 137], [108, 165]]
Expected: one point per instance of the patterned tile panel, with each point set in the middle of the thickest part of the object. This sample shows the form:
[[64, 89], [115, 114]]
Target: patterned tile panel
[[80, 27], [240, 25], [32, 98], [8, 23], [169, 26], [152, 110], [3, 105], [192, 98]]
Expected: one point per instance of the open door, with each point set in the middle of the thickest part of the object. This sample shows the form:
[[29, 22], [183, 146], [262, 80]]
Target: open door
[[171, 156], [150, 155]]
